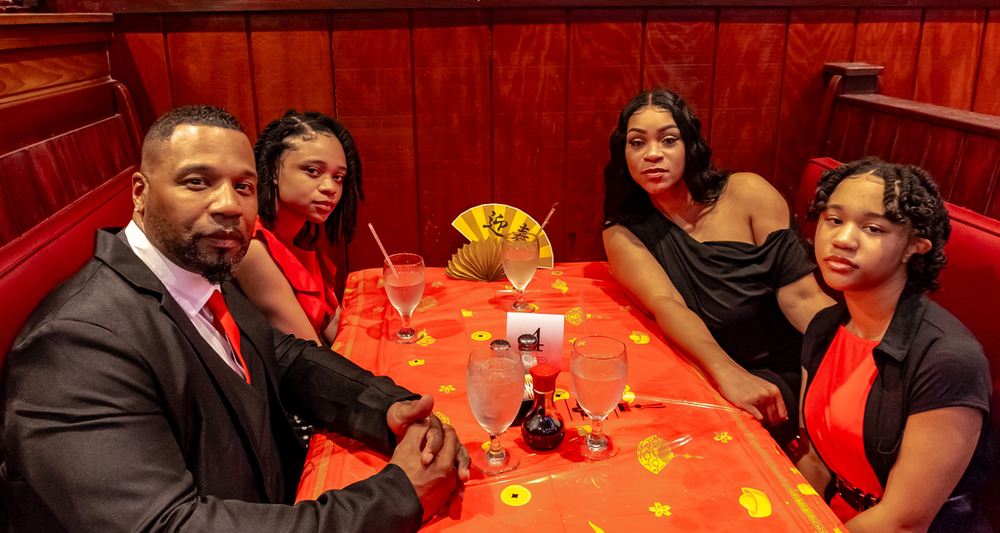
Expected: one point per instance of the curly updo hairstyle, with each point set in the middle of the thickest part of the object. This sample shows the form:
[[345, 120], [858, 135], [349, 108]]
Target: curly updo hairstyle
[[625, 201], [283, 135], [910, 196]]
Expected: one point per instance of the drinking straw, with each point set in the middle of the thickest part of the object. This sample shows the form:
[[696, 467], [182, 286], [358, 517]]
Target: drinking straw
[[547, 217], [380, 247]]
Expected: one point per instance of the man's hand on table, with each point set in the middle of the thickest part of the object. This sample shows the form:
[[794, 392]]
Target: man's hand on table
[[429, 452], [757, 396]]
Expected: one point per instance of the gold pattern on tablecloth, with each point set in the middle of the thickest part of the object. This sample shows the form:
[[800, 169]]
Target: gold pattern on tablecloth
[[415, 362], [466, 313], [660, 510], [515, 495], [444, 419], [654, 454], [561, 394], [628, 395], [481, 336], [722, 436], [446, 389], [560, 285], [639, 337], [425, 339], [755, 502], [427, 302], [807, 490]]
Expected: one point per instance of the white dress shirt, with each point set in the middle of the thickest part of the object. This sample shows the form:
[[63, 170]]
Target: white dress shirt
[[190, 290]]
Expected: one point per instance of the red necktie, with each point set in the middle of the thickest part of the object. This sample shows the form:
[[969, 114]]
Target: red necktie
[[224, 322]]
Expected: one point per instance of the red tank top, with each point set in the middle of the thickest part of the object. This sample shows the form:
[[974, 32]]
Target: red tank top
[[834, 411]]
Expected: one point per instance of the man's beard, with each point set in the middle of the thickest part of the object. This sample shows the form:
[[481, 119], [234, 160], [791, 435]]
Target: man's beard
[[183, 250]]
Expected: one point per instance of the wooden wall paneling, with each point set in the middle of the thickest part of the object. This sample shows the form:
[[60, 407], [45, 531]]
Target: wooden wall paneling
[[976, 178], [910, 145], [680, 56], [949, 56], [891, 38], [34, 69], [291, 64], [604, 74], [529, 114], [59, 112], [839, 122], [39, 35], [856, 144], [816, 36], [747, 95], [8, 221], [374, 81], [944, 148], [884, 130], [139, 60], [209, 62], [987, 99], [451, 61], [28, 202]]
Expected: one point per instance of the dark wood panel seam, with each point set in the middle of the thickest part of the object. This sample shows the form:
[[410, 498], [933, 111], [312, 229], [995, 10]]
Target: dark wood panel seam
[[493, 133], [166, 58], [979, 62], [781, 92], [416, 149], [642, 50], [711, 86], [253, 81], [916, 62], [995, 174], [566, 112], [333, 73]]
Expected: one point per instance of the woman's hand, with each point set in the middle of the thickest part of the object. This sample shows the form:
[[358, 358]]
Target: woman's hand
[[759, 397]]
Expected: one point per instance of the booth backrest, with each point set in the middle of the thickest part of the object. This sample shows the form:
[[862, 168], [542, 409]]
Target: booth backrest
[[65, 164]]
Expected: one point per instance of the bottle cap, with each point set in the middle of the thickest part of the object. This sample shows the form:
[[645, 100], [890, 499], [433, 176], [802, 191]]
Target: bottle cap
[[543, 377], [499, 343]]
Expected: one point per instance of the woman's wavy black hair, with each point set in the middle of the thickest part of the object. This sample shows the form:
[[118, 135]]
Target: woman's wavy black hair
[[282, 135], [910, 196], [624, 200]]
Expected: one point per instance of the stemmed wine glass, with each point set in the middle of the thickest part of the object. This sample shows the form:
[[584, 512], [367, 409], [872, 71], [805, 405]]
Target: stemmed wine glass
[[598, 370], [404, 289], [519, 255], [494, 383]]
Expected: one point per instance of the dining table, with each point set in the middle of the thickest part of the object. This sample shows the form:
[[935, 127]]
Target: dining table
[[689, 460]]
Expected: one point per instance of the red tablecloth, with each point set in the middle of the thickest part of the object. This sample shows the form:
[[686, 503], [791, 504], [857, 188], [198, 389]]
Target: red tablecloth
[[689, 461]]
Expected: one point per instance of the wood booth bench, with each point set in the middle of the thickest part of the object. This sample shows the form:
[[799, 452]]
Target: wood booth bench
[[961, 151]]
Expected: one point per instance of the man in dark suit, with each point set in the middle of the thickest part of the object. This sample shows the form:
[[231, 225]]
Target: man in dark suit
[[138, 399]]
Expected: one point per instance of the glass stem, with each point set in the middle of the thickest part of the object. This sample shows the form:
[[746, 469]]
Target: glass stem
[[520, 297], [596, 438], [495, 453], [406, 319]]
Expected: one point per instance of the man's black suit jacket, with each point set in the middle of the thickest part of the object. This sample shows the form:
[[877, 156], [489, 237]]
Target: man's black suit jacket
[[118, 416]]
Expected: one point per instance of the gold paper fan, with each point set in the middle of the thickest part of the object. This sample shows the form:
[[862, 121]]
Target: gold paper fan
[[478, 261], [493, 221]]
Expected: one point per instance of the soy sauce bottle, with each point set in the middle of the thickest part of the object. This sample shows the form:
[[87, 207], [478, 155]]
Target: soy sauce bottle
[[543, 427]]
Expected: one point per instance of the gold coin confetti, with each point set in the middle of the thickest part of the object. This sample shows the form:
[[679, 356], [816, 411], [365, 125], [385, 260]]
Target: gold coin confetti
[[515, 495]]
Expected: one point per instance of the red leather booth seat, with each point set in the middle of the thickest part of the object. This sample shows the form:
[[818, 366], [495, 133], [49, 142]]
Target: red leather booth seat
[[85, 141], [970, 284]]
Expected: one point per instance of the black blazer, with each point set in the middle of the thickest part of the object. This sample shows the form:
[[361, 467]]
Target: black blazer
[[118, 416]]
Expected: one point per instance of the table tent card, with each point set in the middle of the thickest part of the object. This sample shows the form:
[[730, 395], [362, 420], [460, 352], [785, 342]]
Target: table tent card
[[547, 328]]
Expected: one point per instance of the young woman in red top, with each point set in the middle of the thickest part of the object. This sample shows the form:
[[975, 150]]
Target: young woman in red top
[[897, 398], [309, 183]]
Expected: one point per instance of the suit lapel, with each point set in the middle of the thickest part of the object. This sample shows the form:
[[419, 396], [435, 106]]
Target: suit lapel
[[249, 404]]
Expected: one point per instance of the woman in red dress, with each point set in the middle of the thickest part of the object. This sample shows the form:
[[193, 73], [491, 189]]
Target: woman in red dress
[[309, 183], [897, 392]]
